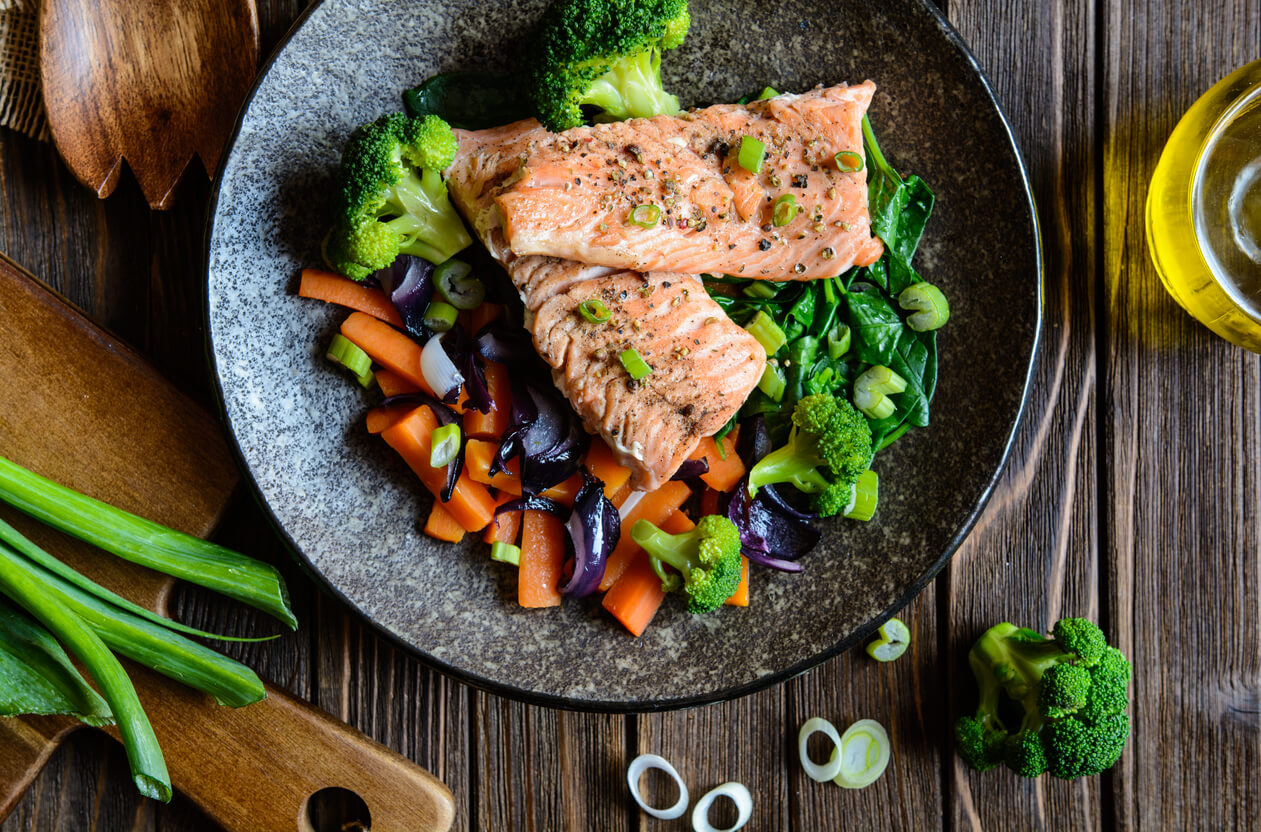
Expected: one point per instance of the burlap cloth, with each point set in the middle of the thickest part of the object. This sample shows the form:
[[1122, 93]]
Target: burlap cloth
[[21, 104]]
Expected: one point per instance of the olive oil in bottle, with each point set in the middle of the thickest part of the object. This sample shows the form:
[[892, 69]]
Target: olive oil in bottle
[[1204, 209]]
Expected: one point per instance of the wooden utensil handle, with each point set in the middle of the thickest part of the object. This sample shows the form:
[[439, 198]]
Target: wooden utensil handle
[[254, 768]]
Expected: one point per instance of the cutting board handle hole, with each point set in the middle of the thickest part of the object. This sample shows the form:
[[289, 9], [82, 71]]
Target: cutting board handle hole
[[335, 810]]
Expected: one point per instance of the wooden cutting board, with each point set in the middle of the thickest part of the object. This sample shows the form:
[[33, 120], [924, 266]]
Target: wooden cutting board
[[87, 411]]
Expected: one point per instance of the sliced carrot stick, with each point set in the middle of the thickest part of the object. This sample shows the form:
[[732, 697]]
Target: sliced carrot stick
[[386, 346], [478, 454], [505, 527], [442, 525], [620, 496], [333, 288], [471, 504], [482, 315], [542, 556], [654, 507], [723, 474], [603, 465], [392, 384], [380, 418], [565, 492], [677, 523], [635, 597], [493, 424]]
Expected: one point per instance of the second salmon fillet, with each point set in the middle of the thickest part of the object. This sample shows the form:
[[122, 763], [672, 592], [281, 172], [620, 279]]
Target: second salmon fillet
[[703, 364], [698, 209]]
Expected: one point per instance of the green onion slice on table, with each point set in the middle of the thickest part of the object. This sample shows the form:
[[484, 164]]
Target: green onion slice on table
[[891, 641], [863, 754], [147, 543]]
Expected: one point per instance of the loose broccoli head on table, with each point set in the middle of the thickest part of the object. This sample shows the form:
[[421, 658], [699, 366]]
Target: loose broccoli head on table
[[1047, 704]]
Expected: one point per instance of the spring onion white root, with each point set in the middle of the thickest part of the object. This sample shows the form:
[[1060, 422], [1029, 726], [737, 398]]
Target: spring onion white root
[[863, 754]]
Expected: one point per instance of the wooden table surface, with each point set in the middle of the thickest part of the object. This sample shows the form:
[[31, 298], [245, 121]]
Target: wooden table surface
[[1131, 497]]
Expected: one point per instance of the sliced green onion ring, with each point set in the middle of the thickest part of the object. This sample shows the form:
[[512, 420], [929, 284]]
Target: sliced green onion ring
[[891, 641], [439, 316], [862, 755], [784, 210], [594, 311], [849, 161], [768, 92], [444, 445], [838, 341], [761, 289], [634, 364], [772, 382], [865, 495], [342, 351], [739, 794], [457, 286], [651, 761], [751, 154], [645, 216], [816, 772], [873, 388], [930, 306], [505, 552], [767, 332]]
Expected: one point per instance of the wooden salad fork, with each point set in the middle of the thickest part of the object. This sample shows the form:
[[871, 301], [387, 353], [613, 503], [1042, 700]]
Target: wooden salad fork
[[152, 82]]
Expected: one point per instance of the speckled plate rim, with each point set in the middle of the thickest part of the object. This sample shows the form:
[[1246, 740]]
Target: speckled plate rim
[[636, 706]]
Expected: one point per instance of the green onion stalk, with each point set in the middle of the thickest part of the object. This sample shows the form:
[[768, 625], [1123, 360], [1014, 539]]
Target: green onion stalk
[[36, 676], [147, 543], [23, 586]]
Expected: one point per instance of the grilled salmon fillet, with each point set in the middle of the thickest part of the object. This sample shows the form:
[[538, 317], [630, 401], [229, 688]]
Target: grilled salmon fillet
[[572, 194], [704, 365]]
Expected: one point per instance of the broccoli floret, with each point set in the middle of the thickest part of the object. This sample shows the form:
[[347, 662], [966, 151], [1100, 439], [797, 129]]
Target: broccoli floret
[[707, 559], [1071, 693], [393, 199], [604, 54], [828, 449]]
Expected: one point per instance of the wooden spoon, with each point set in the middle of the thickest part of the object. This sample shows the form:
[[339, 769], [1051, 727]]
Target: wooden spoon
[[150, 81]]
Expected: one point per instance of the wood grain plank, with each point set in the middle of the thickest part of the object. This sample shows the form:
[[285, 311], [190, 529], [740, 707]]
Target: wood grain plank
[[742, 740], [539, 769], [1182, 453], [1033, 556], [905, 697]]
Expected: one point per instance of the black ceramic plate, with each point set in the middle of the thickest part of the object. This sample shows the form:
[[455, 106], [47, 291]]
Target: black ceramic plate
[[353, 511]]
